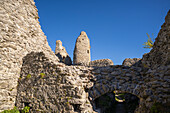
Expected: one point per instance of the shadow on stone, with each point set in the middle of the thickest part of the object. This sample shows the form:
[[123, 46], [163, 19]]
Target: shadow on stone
[[116, 103]]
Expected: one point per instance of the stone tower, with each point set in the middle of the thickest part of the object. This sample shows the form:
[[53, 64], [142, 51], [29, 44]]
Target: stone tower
[[62, 54], [82, 50]]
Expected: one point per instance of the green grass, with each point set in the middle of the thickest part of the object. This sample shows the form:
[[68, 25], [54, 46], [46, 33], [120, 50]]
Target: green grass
[[15, 110]]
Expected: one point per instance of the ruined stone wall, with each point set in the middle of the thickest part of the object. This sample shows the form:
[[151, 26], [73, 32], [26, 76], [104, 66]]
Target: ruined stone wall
[[157, 70], [53, 88], [160, 53], [77, 87], [45, 86], [101, 62], [62, 54], [20, 33], [130, 61], [151, 87]]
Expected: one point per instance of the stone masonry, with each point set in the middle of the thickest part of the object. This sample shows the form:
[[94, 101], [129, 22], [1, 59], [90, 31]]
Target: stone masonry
[[77, 87], [20, 34], [52, 88], [62, 54], [101, 62], [82, 50], [45, 85], [130, 61]]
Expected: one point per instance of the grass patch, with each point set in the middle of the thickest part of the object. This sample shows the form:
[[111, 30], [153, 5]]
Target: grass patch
[[15, 110]]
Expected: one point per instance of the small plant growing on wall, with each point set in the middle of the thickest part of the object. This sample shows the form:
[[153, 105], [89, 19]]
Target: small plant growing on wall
[[149, 43], [15, 110], [42, 75], [20, 78], [28, 76], [26, 109]]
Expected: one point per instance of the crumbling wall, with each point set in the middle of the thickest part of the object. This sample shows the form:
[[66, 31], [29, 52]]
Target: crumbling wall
[[101, 62], [159, 55], [47, 87], [157, 71], [130, 61], [20, 33], [62, 54]]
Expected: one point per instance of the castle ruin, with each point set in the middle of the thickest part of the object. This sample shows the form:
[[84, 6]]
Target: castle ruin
[[81, 53], [82, 50], [24, 51], [62, 54]]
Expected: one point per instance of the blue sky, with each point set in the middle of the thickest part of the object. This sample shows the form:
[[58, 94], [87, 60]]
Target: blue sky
[[116, 28]]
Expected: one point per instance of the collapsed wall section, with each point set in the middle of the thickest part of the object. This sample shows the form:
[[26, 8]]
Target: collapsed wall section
[[47, 87]]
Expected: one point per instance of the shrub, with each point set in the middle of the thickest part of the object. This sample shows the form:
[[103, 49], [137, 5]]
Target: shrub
[[149, 43]]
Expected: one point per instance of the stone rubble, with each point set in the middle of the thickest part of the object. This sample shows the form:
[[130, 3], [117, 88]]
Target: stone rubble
[[62, 54], [129, 62], [101, 62]]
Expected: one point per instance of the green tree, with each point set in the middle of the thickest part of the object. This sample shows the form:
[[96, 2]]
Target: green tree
[[149, 43]]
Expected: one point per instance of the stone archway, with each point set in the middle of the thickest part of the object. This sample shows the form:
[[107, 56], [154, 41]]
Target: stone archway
[[115, 78], [116, 103], [111, 78]]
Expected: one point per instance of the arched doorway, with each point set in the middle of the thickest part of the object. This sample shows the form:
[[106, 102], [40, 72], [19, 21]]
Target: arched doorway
[[116, 102]]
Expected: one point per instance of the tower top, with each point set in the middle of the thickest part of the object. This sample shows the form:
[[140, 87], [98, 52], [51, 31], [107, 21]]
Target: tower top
[[83, 33]]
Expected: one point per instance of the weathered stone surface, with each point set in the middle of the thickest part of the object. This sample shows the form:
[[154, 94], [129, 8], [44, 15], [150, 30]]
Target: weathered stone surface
[[102, 62], [82, 50], [74, 87], [20, 33], [62, 54], [160, 53], [130, 62], [49, 86], [45, 89]]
